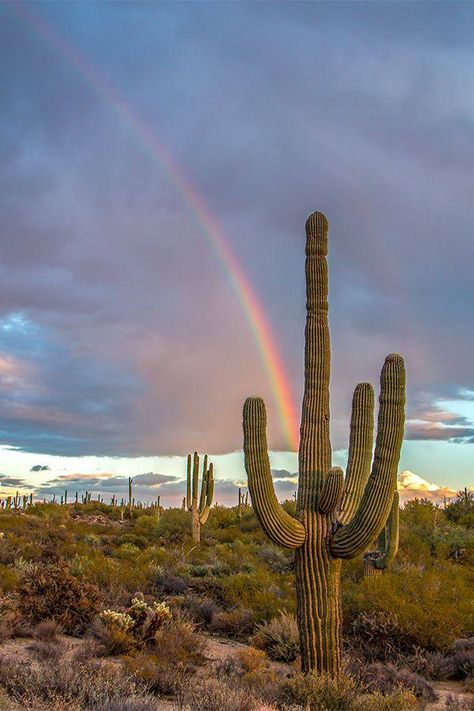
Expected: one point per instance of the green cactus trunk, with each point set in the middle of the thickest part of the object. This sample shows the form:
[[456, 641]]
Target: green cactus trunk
[[318, 597], [337, 518], [199, 513]]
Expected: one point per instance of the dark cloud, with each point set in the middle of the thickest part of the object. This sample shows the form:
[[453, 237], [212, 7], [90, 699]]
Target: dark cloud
[[39, 468], [436, 431], [283, 474], [120, 331], [9, 481]]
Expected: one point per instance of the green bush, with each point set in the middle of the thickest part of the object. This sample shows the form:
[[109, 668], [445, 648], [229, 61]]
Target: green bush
[[321, 693], [431, 606], [174, 526], [50, 592]]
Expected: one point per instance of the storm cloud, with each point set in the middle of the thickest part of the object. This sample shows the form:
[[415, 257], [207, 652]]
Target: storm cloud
[[120, 331]]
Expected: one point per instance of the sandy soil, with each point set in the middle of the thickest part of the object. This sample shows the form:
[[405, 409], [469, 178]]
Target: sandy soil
[[218, 650]]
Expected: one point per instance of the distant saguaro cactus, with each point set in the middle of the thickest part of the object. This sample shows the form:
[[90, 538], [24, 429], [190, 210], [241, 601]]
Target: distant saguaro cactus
[[199, 512], [336, 518], [387, 542]]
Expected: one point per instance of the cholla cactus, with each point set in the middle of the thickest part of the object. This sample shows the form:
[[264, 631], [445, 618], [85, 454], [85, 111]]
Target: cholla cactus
[[200, 513], [336, 518], [387, 543], [122, 620], [140, 620]]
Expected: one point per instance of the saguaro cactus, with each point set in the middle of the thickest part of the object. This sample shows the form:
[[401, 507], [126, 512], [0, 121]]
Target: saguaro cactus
[[199, 512], [336, 518], [387, 543]]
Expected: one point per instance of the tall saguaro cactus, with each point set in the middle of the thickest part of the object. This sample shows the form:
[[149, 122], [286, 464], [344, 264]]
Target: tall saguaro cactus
[[336, 518], [199, 512], [387, 543]]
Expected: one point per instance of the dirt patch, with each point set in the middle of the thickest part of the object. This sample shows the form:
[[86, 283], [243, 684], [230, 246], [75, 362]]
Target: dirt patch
[[456, 690]]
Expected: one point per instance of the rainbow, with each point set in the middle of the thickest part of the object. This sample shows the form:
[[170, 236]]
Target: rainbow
[[241, 286]]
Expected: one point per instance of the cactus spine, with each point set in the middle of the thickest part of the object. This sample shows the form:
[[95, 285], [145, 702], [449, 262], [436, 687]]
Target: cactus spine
[[387, 543], [337, 518], [199, 512]]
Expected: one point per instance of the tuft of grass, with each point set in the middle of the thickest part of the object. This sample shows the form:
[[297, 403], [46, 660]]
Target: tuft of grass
[[279, 638]]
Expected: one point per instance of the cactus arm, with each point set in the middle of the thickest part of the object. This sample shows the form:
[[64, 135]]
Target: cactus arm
[[332, 490], [209, 495], [189, 502], [195, 486], [202, 498], [360, 451], [391, 535], [351, 540], [315, 445], [279, 526]]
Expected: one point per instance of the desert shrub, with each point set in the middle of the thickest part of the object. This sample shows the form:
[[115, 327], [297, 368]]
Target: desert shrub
[[461, 509], [51, 592], [220, 569], [258, 591], [321, 693], [128, 550], [198, 571], [387, 678], [174, 525], [134, 540], [214, 695], [250, 669], [90, 539], [200, 610], [378, 636], [277, 559], [453, 703], [239, 622], [47, 631], [8, 578], [432, 605], [456, 664], [46, 643], [171, 584], [73, 686], [179, 652], [279, 638], [10, 618], [145, 525]]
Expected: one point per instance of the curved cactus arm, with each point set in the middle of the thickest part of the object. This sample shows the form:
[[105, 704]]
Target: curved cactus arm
[[391, 535], [351, 540], [209, 496], [360, 451], [332, 490], [279, 526], [203, 496]]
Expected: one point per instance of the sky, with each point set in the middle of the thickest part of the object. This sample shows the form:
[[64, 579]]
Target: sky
[[157, 165]]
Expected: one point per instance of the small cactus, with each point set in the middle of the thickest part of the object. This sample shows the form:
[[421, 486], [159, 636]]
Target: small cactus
[[199, 512]]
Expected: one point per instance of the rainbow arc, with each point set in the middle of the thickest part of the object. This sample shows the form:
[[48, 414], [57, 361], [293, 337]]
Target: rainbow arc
[[251, 305]]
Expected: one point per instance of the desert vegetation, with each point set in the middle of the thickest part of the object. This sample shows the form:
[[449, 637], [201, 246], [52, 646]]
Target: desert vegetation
[[152, 621]]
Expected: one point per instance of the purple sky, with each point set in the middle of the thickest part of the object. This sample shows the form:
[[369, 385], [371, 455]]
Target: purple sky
[[120, 334]]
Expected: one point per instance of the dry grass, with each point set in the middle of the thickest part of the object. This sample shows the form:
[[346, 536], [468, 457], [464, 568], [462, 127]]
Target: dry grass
[[279, 638]]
